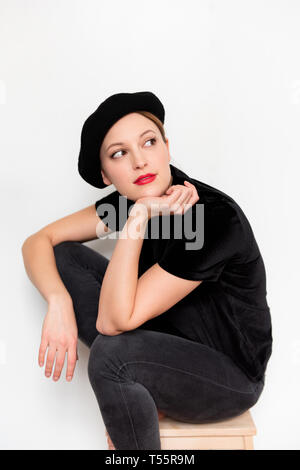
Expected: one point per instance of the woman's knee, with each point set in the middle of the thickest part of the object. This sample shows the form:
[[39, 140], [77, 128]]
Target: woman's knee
[[64, 251], [73, 252], [65, 247], [109, 354], [101, 356]]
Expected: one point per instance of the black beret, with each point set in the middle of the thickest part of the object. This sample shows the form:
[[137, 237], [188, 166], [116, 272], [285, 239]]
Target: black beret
[[100, 121]]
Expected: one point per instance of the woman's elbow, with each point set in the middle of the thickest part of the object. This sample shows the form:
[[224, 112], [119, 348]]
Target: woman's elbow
[[107, 331]]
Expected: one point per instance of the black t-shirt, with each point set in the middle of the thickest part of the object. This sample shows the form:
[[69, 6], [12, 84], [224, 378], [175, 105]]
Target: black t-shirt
[[229, 310]]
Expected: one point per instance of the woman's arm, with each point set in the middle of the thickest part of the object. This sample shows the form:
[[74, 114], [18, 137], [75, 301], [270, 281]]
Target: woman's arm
[[119, 284], [126, 301], [59, 332], [37, 250]]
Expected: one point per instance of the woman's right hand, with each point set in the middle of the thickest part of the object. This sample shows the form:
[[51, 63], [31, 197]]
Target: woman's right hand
[[59, 335], [178, 199]]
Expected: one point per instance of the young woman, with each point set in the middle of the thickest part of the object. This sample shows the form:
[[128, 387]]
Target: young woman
[[172, 329]]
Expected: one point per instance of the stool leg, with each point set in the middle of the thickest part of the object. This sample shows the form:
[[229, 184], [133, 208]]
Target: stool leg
[[248, 443]]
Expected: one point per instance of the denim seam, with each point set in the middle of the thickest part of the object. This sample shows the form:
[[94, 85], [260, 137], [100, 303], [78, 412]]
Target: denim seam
[[185, 372], [124, 399]]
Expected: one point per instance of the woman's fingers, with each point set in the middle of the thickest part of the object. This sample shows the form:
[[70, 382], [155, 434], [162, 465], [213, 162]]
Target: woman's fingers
[[177, 196], [185, 200], [195, 196], [192, 197], [42, 351], [50, 360], [59, 363], [58, 354], [176, 200], [180, 196], [72, 358], [181, 203]]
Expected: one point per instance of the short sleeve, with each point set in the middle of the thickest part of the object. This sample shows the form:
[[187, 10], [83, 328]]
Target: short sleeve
[[219, 236], [113, 210]]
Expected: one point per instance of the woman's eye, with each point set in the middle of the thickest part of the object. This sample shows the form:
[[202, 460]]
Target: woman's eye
[[116, 153], [149, 140]]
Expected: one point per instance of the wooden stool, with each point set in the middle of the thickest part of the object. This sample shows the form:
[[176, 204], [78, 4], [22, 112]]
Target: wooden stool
[[235, 433]]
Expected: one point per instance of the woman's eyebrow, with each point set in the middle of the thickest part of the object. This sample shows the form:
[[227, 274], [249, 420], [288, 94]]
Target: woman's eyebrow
[[122, 143]]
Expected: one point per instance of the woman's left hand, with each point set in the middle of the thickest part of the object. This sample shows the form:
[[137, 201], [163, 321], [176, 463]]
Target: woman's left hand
[[176, 200]]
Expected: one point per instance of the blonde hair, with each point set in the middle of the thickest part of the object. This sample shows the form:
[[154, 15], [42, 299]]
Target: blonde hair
[[156, 121]]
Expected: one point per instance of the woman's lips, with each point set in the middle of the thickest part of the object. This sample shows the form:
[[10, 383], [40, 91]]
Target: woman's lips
[[146, 180]]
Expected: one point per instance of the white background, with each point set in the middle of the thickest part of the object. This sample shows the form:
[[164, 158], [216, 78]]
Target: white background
[[228, 74]]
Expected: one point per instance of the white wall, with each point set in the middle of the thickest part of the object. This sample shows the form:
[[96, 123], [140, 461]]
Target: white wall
[[228, 74]]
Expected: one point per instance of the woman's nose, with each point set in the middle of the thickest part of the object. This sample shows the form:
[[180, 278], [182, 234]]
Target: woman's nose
[[138, 160]]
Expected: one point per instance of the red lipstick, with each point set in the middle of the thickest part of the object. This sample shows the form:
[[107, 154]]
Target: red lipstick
[[144, 179]]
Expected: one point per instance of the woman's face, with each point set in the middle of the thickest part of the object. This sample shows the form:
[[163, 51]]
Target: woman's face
[[132, 147]]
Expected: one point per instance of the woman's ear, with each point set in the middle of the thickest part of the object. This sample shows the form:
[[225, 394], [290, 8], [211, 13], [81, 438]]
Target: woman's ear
[[105, 179], [167, 144]]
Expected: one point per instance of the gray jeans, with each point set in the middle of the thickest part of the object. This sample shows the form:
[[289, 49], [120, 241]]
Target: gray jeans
[[152, 367]]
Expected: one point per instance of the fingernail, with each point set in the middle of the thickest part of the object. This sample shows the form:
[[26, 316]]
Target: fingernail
[[47, 374], [69, 377]]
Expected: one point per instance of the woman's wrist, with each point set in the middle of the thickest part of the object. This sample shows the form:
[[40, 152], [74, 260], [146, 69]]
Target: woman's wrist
[[59, 297], [135, 226], [142, 210]]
